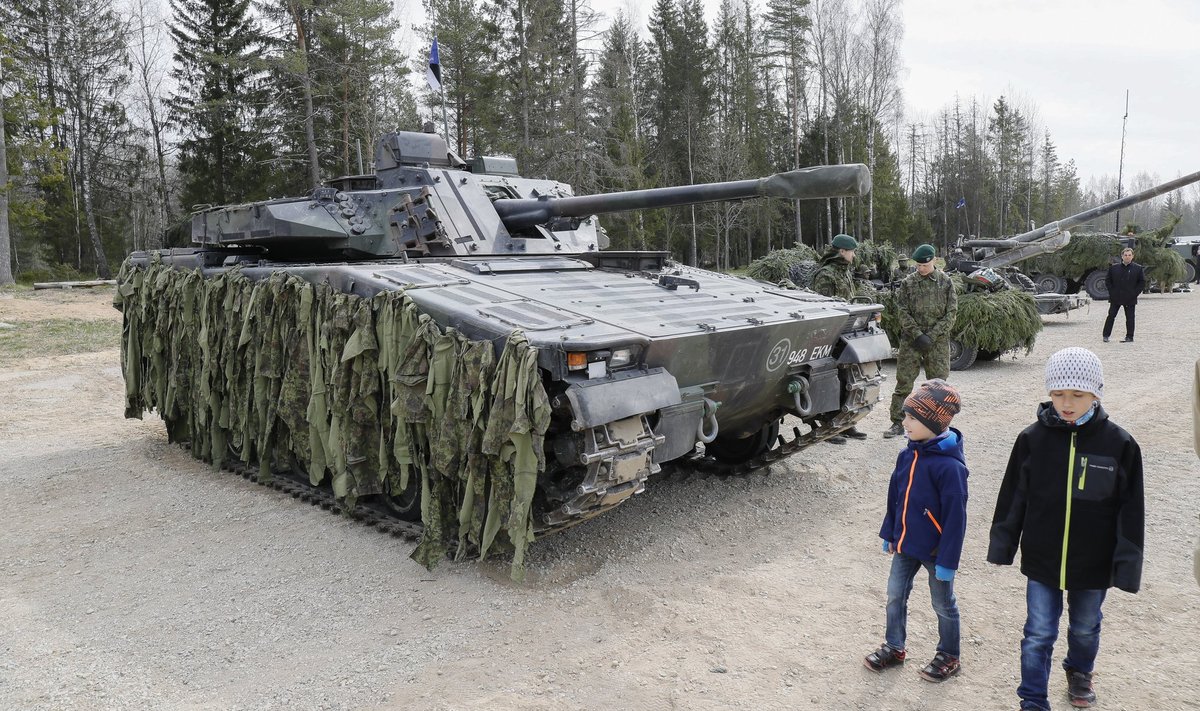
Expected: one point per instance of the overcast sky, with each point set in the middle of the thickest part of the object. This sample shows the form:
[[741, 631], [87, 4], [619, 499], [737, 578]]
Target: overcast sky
[[1072, 60]]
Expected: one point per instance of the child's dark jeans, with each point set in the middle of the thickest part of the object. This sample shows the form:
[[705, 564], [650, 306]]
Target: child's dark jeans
[[1044, 606], [900, 583]]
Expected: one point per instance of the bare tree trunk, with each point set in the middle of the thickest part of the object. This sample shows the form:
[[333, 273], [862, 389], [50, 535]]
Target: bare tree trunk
[[310, 133], [6, 275], [85, 182], [145, 59]]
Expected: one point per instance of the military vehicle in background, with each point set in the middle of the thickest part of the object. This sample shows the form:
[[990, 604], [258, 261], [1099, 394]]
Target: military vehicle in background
[[461, 349], [1083, 264], [1188, 248], [999, 306]]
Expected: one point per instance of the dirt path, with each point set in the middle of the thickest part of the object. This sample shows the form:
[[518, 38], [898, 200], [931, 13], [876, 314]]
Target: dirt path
[[134, 577]]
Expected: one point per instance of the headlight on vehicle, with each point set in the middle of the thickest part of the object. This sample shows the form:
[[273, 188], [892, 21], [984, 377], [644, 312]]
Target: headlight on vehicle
[[859, 322], [620, 357]]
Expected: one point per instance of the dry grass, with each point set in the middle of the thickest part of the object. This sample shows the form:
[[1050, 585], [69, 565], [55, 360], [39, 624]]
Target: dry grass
[[50, 337]]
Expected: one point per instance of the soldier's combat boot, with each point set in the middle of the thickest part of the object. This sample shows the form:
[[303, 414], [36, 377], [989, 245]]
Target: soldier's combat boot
[[854, 433], [894, 431]]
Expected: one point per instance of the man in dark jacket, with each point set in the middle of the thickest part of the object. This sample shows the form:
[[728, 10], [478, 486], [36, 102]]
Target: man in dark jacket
[[1124, 281], [1072, 500]]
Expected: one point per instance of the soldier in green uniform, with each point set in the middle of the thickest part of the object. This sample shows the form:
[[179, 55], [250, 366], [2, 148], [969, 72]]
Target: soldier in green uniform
[[904, 267], [926, 304], [835, 278]]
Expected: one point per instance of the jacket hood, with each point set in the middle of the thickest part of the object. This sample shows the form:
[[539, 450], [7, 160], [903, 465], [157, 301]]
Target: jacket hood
[[831, 257], [1048, 417], [948, 444]]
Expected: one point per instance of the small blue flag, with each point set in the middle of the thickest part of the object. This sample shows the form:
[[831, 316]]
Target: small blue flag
[[962, 202], [433, 74]]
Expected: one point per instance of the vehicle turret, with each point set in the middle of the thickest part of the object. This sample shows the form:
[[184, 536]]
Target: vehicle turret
[[424, 201]]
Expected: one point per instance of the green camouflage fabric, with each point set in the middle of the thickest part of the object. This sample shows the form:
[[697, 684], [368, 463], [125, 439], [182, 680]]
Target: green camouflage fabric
[[835, 277], [362, 393], [926, 305], [923, 305]]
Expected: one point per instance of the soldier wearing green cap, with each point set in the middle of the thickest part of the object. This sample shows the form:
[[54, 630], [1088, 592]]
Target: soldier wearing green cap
[[835, 278], [926, 303]]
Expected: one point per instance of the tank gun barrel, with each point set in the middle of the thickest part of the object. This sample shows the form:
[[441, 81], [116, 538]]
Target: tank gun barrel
[[826, 181], [1067, 223], [1055, 235]]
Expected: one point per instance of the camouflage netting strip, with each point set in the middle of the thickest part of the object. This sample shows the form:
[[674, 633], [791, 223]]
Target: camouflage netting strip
[[878, 258], [997, 321], [364, 393], [773, 267], [1082, 254]]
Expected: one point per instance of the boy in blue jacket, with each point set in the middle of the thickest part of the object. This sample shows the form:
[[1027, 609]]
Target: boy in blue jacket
[[924, 526]]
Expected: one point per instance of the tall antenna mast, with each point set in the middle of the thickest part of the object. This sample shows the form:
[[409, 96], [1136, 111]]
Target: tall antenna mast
[[1121, 165]]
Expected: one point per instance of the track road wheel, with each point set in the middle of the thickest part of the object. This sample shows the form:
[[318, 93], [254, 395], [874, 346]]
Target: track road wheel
[[406, 504], [1189, 272], [1094, 285], [1050, 284], [962, 356], [732, 450]]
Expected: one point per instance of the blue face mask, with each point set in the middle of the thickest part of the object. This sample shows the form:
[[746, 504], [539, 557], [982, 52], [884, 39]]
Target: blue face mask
[[1087, 415]]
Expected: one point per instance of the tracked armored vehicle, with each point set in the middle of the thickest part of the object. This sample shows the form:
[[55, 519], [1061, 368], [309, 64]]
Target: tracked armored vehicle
[[451, 342]]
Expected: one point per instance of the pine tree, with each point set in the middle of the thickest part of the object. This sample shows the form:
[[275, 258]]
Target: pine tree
[[617, 100], [682, 97], [469, 42], [220, 104]]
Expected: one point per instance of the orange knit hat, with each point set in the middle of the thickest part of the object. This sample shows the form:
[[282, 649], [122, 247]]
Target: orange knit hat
[[934, 404]]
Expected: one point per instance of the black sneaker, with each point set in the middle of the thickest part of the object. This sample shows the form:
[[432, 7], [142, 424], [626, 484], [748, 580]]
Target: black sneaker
[[1079, 689], [895, 430], [941, 668], [883, 658], [836, 439], [1106, 339], [854, 433], [1127, 339]]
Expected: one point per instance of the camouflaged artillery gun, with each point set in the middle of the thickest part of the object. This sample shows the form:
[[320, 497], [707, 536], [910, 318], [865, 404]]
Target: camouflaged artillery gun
[[1046, 239], [450, 341]]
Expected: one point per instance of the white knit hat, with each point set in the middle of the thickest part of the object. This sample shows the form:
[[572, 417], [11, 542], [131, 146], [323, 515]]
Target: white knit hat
[[1075, 369]]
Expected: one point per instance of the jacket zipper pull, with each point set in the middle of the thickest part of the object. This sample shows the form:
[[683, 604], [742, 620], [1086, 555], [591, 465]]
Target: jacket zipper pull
[[1083, 474]]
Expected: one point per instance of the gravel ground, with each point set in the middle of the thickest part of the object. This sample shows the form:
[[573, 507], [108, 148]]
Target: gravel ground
[[134, 577]]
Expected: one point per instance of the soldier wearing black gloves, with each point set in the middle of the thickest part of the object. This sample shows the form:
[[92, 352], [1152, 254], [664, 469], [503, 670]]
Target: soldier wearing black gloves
[[927, 304]]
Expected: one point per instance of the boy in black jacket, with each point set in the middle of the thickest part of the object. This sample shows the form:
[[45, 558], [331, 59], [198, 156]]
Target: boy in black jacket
[[924, 526], [1072, 498]]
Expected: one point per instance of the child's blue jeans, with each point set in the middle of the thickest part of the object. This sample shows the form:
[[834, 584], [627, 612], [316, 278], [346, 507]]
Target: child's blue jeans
[[900, 584], [1044, 606]]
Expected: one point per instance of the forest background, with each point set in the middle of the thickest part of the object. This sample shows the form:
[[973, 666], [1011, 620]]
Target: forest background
[[119, 118]]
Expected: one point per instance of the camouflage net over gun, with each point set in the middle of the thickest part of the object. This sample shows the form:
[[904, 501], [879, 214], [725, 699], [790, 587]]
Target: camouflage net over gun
[[1086, 252], [362, 392]]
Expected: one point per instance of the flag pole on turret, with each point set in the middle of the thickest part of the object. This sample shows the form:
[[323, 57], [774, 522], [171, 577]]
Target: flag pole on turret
[[434, 76]]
